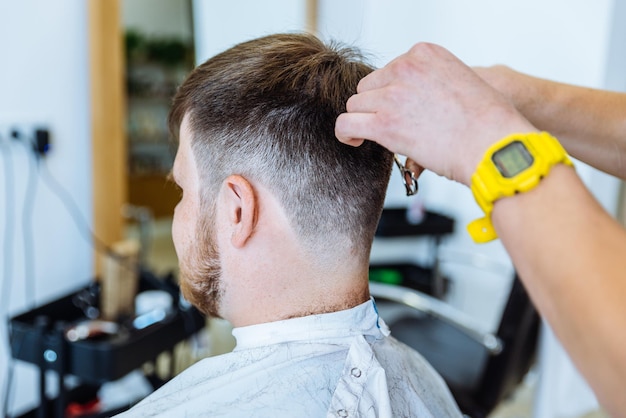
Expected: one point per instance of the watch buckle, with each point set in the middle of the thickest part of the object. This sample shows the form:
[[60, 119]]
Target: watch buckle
[[481, 230]]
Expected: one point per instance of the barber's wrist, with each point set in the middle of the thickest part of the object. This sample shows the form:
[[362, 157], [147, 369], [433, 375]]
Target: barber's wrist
[[490, 137]]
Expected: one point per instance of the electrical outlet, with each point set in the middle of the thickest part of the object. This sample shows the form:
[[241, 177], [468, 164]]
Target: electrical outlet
[[35, 135]]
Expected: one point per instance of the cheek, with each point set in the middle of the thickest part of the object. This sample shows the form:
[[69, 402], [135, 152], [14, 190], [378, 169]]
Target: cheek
[[176, 229], [181, 227]]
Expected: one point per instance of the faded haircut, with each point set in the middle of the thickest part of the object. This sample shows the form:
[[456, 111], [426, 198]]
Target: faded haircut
[[266, 109]]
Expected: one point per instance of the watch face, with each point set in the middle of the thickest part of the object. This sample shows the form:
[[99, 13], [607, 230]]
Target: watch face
[[512, 159]]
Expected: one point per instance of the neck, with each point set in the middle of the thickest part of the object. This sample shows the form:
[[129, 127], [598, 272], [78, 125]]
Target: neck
[[274, 290], [345, 294]]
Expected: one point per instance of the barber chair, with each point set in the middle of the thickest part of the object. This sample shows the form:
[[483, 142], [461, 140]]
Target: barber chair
[[480, 368]]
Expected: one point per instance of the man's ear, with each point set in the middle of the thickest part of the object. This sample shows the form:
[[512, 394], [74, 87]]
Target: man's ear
[[241, 208]]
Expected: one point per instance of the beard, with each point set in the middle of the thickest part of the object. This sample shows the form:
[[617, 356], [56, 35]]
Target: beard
[[200, 269]]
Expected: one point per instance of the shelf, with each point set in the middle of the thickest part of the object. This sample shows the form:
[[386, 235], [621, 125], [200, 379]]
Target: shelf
[[101, 359], [393, 223]]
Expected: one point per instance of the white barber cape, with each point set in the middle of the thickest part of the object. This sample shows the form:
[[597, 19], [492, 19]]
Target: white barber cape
[[340, 364]]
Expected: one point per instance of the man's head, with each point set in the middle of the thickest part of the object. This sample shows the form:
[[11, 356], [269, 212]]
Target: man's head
[[258, 120]]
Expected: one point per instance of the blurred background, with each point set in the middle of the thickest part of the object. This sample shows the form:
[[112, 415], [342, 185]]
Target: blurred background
[[89, 83]]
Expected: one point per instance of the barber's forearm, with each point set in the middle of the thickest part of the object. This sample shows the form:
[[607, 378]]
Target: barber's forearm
[[590, 123], [571, 256]]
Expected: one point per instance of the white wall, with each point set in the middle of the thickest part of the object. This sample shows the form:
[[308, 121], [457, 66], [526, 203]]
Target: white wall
[[44, 81], [220, 25]]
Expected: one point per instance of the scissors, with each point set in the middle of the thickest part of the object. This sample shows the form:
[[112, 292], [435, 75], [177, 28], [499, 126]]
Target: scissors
[[408, 177]]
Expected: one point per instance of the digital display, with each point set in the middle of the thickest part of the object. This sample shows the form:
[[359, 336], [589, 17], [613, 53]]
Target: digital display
[[512, 159]]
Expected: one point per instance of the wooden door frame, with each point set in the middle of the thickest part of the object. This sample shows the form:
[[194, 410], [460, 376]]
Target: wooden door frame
[[311, 16], [108, 110]]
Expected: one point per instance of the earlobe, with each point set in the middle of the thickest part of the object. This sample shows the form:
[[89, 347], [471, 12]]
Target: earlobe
[[242, 207]]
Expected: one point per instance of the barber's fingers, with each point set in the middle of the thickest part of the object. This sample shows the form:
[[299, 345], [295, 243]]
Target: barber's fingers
[[353, 128], [368, 114], [364, 118], [375, 80], [408, 67], [402, 67]]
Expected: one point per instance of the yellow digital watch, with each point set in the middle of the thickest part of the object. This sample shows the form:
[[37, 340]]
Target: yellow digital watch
[[512, 165]]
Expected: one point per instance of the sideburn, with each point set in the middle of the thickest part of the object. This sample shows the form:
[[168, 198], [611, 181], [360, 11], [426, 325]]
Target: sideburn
[[201, 271]]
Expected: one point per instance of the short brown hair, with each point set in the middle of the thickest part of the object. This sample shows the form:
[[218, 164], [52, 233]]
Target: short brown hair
[[266, 109]]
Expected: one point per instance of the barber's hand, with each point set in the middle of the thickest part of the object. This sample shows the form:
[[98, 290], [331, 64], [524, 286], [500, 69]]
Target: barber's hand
[[429, 106]]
